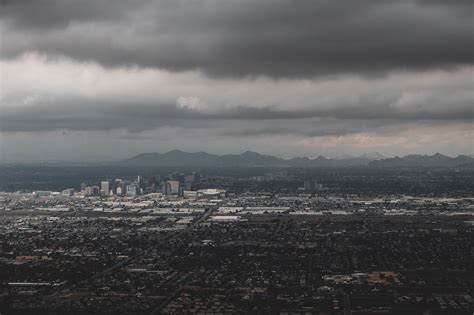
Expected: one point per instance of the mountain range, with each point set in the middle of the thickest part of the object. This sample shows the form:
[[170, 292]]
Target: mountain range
[[436, 160], [177, 158]]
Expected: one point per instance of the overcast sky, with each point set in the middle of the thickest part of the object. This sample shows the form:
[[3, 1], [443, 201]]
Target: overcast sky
[[108, 79]]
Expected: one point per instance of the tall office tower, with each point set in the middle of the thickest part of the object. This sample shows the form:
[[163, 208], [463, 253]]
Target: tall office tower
[[139, 182], [188, 185], [104, 188], [131, 190], [119, 191], [181, 178], [95, 190], [118, 183], [166, 189], [174, 186], [88, 191], [123, 187], [189, 182], [171, 187]]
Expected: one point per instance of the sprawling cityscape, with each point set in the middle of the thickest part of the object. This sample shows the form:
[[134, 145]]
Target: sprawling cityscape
[[275, 241], [236, 157]]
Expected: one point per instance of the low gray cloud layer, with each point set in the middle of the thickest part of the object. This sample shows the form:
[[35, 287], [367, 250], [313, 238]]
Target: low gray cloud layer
[[287, 77], [136, 115], [276, 38]]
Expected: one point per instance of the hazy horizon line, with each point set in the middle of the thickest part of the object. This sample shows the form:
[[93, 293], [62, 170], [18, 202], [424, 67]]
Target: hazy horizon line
[[19, 159]]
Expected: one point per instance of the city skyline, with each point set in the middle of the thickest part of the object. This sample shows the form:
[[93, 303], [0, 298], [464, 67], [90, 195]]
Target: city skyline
[[106, 80]]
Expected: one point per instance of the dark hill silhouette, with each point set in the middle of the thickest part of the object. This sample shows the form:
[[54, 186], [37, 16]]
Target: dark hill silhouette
[[252, 159]]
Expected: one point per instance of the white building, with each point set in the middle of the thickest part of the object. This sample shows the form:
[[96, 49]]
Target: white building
[[104, 188]]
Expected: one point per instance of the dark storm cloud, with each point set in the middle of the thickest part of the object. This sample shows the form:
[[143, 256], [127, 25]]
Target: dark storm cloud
[[81, 113], [277, 38], [49, 14]]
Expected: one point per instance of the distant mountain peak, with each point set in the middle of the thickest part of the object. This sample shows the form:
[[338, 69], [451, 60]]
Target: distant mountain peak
[[372, 156], [248, 152], [418, 160]]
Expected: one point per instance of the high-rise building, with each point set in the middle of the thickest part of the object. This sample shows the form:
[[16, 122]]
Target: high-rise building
[[181, 178], [140, 182], [189, 182], [131, 190], [118, 183], [95, 190], [188, 185], [171, 187], [174, 186], [166, 190], [104, 188], [88, 191]]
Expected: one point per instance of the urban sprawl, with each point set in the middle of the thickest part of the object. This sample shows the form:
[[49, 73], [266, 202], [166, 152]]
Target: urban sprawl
[[192, 243]]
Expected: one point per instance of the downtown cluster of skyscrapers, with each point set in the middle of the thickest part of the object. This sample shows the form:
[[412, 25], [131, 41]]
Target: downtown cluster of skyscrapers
[[173, 184]]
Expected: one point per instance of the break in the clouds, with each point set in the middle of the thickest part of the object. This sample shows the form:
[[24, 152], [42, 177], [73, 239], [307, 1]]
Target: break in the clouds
[[288, 77]]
